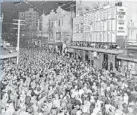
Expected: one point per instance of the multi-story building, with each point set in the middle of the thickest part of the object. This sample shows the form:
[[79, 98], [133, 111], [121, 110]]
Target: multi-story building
[[22, 15], [99, 27], [43, 26], [60, 27], [1, 19], [52, 25], [31, 21], [128, 60], [96, 29], [64, 25]]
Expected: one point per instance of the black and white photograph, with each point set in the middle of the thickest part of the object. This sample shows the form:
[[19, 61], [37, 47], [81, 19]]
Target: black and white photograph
[[69, 57]]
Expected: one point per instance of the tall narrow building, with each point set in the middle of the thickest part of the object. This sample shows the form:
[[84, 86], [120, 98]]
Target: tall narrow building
[[31, 21]]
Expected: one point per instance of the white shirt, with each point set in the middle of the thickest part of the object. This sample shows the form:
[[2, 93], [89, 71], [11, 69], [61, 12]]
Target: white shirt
[[86, 107], [40, 114], [92, 100], [119, 112], [95, 111], [81, 91], [56, 103], [78, 112], [10, 110], [125, 99], [24, 113]]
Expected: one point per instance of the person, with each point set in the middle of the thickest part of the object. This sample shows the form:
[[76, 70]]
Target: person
[[45, 83], [9, 109], [86, 106]]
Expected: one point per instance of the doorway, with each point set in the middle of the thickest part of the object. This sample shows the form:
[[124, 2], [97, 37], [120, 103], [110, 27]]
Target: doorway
[[105, 62]]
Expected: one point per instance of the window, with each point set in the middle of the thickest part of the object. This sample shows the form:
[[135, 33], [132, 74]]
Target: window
[[62, 21], [118, 4], [59, 23]]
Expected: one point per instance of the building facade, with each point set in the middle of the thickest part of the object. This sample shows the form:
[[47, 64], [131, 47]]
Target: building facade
[[128, 60], [60, 27], [101, 31], [97, 30], [31, 21], [43, 26], [52, 25], [64, 26]]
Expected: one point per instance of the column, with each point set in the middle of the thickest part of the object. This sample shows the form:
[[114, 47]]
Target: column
[[90, 57], [83, 56], [100, 59], [74, 55], [112, 60]]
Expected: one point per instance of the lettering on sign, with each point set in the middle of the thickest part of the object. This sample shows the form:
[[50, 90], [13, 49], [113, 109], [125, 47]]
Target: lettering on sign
[[121, 21]]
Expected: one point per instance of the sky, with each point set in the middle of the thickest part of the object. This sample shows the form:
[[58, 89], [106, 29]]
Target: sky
[[11, 10]]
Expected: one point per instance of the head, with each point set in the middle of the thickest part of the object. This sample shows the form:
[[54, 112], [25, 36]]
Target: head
[[76, 87], [61, 96]]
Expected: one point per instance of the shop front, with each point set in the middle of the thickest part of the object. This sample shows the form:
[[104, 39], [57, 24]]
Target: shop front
[[98, 57], [111, 62], [128, 65]]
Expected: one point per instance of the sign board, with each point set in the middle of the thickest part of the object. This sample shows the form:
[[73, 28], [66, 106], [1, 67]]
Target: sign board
[[121, 21]]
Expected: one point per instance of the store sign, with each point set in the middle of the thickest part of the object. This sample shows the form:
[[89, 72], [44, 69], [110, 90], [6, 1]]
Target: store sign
[[121, 21]]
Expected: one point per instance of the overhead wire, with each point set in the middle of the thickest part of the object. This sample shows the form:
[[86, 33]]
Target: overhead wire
[[57, 7]]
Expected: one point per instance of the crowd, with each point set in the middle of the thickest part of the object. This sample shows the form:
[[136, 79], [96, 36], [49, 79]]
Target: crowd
[[46, 83]]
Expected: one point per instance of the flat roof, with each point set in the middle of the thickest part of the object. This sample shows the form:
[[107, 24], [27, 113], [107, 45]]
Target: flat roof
[[110, 51], [4, 53]]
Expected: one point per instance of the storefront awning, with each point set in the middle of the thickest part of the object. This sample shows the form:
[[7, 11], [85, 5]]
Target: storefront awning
[[7, 52], [127, 57], [110, 51], [9, 55]]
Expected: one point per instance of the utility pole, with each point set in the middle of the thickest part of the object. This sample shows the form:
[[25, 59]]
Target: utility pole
[[18, 38]]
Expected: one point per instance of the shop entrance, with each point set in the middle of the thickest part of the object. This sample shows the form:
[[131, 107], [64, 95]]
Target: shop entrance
[[86, 58], [105, 62]]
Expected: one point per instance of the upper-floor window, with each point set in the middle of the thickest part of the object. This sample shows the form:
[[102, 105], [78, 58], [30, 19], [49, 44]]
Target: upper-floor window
[[62, 21], [59, 23]]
